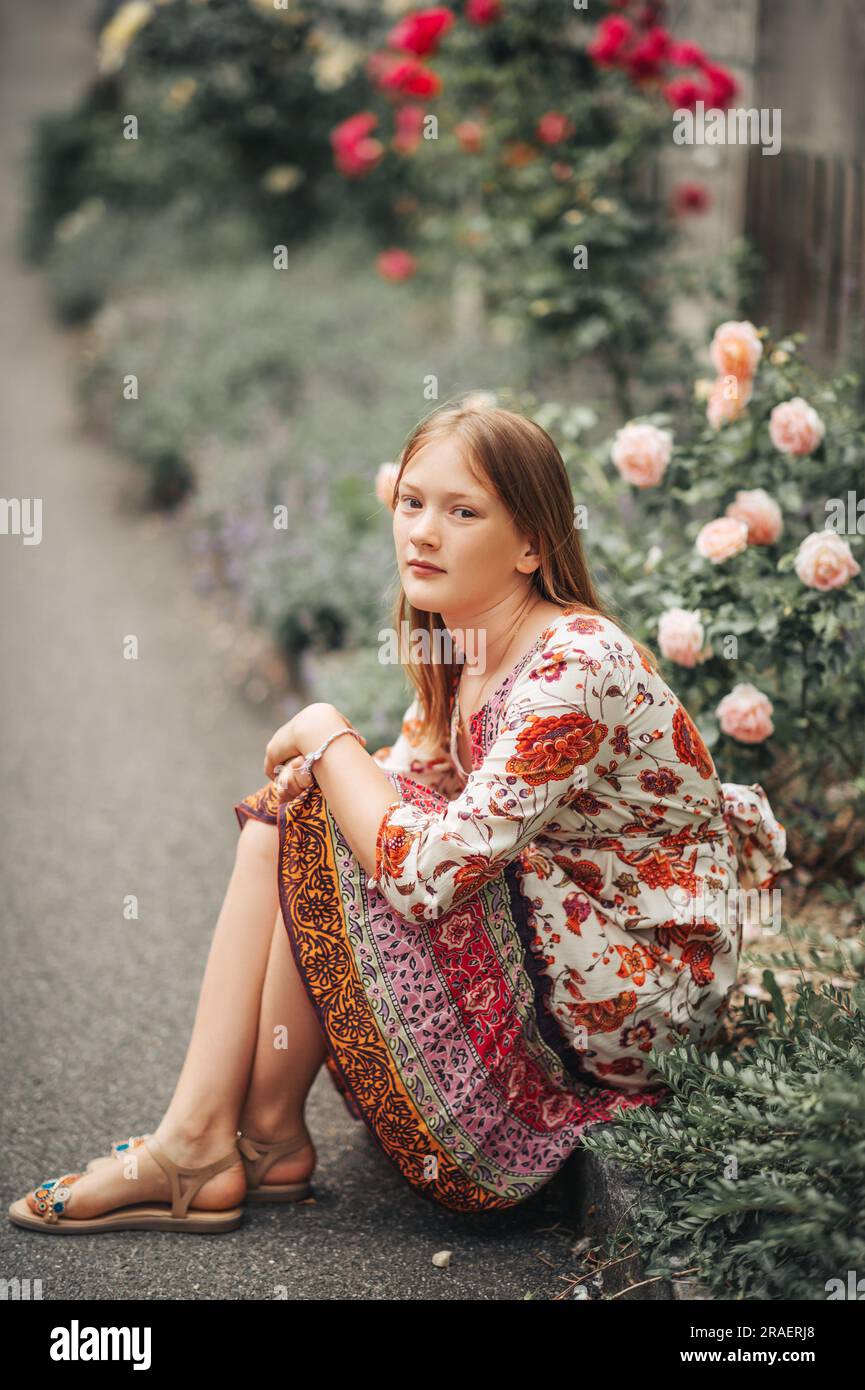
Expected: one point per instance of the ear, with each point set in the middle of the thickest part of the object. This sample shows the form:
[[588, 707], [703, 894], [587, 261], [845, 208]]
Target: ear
[[530, 559]]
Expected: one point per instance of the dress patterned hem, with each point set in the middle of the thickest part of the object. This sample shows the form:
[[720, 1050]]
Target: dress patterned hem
[[438, 1033]]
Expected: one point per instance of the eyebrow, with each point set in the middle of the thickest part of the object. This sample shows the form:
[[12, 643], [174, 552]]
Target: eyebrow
[[449, 496]]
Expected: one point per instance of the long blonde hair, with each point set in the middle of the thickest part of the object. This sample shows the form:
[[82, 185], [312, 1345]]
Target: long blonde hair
[[518, 460]]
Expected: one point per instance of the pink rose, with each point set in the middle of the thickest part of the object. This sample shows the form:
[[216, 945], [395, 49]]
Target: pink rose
[[795, 427], [736, 349], [680, 636], [760, 513], [727, 399], [641, 454], [384, 483], [720, 539], [395, 264], [746, 714], [824, 561]]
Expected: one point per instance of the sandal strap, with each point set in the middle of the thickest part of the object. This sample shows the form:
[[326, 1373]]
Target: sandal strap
[[262, 1155], [120, 1147], [180, 1200]]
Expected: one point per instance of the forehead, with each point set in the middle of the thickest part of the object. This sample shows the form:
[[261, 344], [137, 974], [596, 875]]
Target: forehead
[[440, 466]]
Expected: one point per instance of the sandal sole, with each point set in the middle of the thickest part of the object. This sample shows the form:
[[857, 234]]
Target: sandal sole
[[280, 1192], [146, 1218]]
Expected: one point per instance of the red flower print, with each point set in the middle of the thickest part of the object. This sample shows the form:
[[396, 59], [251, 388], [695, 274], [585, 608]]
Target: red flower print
[[585, 625], [624, 1066], [392, 851], [660, 781], [676, 933], [588, 804], [549, 749], [699, 956], [605, 1015], [584, 872], [689, 744], [633, 964]]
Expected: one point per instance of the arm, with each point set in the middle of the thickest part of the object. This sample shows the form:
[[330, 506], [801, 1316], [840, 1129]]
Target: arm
[[550, 735]]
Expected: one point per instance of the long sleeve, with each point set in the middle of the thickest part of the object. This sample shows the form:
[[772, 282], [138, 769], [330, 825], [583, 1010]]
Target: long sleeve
[[406, 756], [549, 734], [759, 838]]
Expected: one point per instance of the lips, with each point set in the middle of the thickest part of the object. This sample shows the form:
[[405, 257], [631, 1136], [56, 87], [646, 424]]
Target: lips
[[429, 569]]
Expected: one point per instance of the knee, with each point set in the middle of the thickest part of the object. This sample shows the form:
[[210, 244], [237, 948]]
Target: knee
[[259, 841]]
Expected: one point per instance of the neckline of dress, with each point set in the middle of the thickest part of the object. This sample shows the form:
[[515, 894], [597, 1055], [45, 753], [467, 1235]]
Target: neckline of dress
[[543, 637]]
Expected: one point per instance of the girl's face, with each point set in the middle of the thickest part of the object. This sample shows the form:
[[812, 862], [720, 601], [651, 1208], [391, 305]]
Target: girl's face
[[447, 518]]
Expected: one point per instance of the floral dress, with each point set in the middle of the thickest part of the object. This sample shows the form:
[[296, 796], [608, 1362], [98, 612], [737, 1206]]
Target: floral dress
[[535, 923]]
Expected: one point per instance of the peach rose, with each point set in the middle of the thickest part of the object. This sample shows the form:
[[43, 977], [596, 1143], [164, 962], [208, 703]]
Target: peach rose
[[746, 714], [795, 427], [727, 399], [680, 636], [384, 481], [641, 453], [760, 513], [824, 561], [720, 539], [736, 349]]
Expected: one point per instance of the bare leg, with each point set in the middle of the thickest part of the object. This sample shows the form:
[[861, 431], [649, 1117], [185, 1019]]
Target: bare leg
[[202, 1119], [288, 1055]]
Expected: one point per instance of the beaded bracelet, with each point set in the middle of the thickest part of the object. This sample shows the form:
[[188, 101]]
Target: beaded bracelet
[[310, 758]]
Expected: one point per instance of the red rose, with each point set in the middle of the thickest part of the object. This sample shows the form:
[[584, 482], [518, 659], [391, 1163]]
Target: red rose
[[686, 55], [690, 196], [355, 152], [409, 128], [420, 32], [645, 60], [410, 78], [683, 92], [614, 33], [553, 127], [721, 86], [483, 11]]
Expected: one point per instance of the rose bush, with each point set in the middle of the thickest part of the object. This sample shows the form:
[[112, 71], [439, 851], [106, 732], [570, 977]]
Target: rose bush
[[750, 583]]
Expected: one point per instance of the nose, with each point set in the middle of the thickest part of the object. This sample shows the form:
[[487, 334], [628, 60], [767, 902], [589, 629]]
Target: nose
[[424, 531]]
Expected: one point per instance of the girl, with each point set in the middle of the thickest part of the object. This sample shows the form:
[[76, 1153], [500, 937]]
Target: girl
[[481, 931]]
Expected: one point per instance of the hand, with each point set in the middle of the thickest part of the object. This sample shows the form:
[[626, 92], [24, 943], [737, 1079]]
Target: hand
[[285, 744], [291, 781]]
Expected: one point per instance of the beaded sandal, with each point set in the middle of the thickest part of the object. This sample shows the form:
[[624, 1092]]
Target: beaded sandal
[[51, 1197], [259, 1156]]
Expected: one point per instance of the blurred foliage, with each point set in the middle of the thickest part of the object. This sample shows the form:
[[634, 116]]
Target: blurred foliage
[[234, 102]]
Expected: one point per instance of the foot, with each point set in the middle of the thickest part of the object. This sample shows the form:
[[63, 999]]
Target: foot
[[109, 1183], [296, 1167]]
